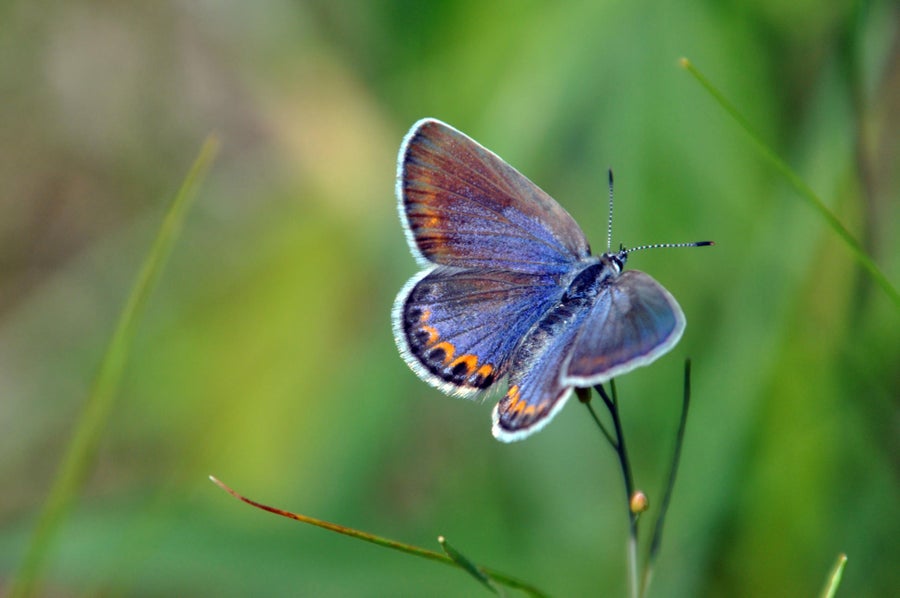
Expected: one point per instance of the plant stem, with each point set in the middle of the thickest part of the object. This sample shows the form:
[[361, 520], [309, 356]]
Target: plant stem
[[613, 405], [834, 578], [424, 553], [656, 540], [799, 185], [91, 423], [632, 560], [609, 438]]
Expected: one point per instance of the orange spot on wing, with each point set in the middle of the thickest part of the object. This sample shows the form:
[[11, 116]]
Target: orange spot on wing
[[426, 218], [448, 348], [425, 316], [516, 404], [471, 361], [432, 334]]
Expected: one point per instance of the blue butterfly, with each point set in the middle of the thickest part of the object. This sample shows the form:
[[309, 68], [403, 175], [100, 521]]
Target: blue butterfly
[[509, 287]]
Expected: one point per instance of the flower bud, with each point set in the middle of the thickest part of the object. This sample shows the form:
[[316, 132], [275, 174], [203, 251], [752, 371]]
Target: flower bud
[[583, 394], [638, 502]]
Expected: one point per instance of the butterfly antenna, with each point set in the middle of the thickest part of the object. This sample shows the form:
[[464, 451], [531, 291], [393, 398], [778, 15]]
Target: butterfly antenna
[[609, 220], [661, 245], [626, 251]]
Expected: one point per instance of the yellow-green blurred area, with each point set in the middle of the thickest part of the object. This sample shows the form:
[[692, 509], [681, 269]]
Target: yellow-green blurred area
[[266, 356]]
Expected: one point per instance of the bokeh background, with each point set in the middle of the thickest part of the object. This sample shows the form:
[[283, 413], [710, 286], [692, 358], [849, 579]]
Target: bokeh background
[[266, 355]]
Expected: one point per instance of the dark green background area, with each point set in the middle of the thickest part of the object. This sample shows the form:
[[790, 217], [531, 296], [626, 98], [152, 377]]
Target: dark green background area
[[266, 355]]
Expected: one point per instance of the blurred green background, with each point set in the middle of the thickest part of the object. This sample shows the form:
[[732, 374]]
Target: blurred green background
[[266, 355]]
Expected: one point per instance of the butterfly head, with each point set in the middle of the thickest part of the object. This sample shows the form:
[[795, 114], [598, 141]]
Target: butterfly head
[[615, 261]]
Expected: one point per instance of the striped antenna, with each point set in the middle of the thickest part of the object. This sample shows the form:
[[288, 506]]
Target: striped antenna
[[660, 245], [609, 220], [623, 250]]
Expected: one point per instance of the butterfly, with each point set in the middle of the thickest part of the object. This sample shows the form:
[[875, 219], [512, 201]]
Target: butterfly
[[509, 288]]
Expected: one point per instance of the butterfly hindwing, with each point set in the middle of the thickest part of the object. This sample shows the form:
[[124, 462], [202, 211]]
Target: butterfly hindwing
[[458, 328], [537, 390], [463, 206], [605, 324], [631, 324]]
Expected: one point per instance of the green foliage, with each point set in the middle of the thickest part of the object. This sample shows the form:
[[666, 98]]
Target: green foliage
[[90, 424], [834, 578]]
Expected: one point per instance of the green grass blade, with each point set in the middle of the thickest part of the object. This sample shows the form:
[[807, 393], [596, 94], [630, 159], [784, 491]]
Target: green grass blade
[[467, 565], [656, 539], [799, 185], [834, 579], [82, 447], [424, 553]]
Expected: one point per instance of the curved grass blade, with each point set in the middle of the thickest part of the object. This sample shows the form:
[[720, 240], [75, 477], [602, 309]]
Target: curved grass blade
[[799, 185], [656, 540], [584, 395], [466, 565], [496, 576], [91, 423], [619, 445], [834, 579]]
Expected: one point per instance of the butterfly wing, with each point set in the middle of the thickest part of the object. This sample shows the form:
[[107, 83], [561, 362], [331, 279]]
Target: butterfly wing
[[632, 323], [463, 206], [537, 390], [457, 328]]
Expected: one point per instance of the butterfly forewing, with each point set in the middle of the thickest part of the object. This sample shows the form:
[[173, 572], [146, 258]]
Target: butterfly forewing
[[463, 206]]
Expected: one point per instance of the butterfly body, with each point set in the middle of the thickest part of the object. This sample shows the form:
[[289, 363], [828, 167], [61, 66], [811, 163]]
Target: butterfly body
[[510, 289]]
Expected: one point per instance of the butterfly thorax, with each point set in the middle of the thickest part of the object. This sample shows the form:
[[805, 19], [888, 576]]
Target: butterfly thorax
[[595, 275], [592, 278]]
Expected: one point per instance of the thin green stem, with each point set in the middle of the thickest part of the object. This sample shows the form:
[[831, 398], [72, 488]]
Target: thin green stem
[[91, 423], [633, 560], [493, 574], [834, 578], [606, 434], [656, 540], [608, 401], [613, 405], [467, 565], [621, 450], [799, 185]]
